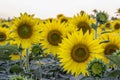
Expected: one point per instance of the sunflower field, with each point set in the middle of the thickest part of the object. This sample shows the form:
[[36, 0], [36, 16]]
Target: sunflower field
[[82, 47]]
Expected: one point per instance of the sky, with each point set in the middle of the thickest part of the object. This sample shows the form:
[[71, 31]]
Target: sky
[[50, 8]]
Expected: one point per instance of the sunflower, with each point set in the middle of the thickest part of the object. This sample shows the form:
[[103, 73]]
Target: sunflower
[[116, 26], [25, 30], [112, 44], [52, 34], [4, 35], [107, 26], [77, 50], [83, 21]]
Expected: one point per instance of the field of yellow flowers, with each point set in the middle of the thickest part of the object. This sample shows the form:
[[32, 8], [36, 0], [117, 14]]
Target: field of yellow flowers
[[82, 47]]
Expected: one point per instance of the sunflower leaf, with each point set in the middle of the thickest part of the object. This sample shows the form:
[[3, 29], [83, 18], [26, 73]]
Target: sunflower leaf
[[6, 51], [115, 59], [114, 74]]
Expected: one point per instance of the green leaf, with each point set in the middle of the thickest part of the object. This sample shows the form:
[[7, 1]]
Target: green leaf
[[115, 59], [114, 73], [6, 51]]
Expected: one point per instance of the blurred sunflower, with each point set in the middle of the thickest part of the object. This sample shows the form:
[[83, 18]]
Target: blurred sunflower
[[25, 30], [77, 50], [107, 26], [4, 35], [116, 26], [83, 21], [112, 44], [52, 34]]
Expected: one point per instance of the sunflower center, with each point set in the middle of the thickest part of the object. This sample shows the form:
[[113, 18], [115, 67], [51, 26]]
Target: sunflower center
[[24, 31], [2, 36], [107, 25], [97, 68], [117, 26], [54, 37], [84, 26], [110, 49], [80, 53]]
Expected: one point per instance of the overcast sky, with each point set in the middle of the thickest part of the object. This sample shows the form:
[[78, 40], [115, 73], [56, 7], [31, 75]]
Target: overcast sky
[[50, 8]]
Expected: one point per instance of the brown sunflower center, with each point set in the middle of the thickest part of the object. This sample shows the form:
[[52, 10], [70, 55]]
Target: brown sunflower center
[[107, 25], [2, 36], [54, 37], [84, 26], [117, 26], [80, 53], [109, 49], [24, 31]]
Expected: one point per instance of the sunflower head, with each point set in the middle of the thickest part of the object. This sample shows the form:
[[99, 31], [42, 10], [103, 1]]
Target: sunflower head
[[107, 26], [52, 34], [111, 45], [110, 48], [97, 68], [116, 26], [82, 21], [102, 17], [76, 51], [25, 30], [4, 35]]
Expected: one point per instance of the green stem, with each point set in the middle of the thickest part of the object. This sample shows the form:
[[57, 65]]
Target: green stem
[[96, 31], [20, 53], [27, 61], [40, 70]]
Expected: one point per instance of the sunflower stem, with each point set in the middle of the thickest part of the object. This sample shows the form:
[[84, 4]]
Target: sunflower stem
[[20, 53], [40, 70], [96, 30], [27, 61]]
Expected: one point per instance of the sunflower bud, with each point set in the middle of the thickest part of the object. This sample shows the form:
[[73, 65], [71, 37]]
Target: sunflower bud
[[37, 49], [16, 69], [102, 17], [97, 68]]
